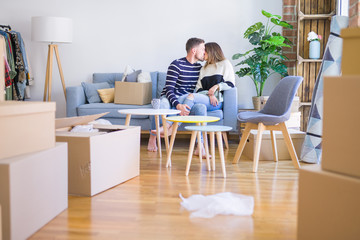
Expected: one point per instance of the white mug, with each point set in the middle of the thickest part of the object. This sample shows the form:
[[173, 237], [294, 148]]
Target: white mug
[[155, 103]]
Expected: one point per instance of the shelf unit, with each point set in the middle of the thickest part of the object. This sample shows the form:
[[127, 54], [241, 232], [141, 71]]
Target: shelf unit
[[301, 17], [311, 16]]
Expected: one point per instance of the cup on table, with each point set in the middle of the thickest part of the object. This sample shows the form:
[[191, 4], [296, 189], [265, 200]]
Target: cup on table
[[155, 103]]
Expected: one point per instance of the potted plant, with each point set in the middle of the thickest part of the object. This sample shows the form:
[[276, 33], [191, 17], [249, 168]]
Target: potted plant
[[266, 57]]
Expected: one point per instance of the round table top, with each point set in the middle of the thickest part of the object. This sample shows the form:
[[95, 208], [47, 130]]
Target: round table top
[[148, 111], [209, 128], [192, 119]]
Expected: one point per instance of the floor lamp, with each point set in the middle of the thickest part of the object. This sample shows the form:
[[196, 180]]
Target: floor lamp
[[51, 30]]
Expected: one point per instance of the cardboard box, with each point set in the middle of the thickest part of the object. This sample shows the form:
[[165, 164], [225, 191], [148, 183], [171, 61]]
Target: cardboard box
[[134, 93], [33, 190], [340, 125], [266, 147], [351, 51], [101, 160], [328, 206], [0, 224], [294, 121], [26, 127]]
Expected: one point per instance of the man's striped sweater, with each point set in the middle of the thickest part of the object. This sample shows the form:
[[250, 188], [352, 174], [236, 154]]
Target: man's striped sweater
[[181, 79]]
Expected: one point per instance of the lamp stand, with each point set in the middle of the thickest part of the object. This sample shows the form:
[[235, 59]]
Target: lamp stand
[[48, 78]]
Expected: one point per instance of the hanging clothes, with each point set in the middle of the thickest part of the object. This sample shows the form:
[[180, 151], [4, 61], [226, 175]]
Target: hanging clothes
[[18, 64]]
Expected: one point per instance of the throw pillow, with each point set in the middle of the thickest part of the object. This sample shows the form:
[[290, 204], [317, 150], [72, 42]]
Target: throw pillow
[[107, 94], [91, 93], [132, 77], [127, 71], [144, 77]]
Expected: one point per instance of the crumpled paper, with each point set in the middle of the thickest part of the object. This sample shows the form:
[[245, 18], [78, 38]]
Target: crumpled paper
[[226, 203]]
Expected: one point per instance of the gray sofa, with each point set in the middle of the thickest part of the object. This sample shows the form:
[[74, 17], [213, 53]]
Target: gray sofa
[[77, 104]]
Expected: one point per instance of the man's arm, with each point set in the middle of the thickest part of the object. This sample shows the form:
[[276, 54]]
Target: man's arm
[[172, 76]]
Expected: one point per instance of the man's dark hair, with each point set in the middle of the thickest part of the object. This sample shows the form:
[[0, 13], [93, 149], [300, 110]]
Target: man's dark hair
[[193, 42]]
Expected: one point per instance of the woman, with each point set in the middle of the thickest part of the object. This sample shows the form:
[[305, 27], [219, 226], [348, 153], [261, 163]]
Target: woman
[[216, 75]]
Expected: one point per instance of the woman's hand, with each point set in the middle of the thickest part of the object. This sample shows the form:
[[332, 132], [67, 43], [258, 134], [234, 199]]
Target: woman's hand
[[212, 90], [213, 100]]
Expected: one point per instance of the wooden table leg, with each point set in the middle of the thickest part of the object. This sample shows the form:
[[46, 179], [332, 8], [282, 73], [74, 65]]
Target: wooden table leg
[[221, 152], [172, 140], [191, 150], [166, 137], [212, 147], [158, 134], [127, 120], [206, 148]]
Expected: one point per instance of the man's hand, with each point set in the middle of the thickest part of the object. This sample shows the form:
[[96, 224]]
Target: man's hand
[[212, 90], [213, 100], [185, 109]]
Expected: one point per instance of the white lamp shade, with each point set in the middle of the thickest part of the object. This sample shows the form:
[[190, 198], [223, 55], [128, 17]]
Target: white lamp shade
[[51, 29]]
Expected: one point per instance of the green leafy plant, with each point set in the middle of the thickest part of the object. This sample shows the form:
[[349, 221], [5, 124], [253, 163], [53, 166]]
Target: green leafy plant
[[267, 52]]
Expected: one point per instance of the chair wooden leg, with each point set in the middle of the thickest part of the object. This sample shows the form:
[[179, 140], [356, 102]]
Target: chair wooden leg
[[274, 148], [212, 146], [221, 152], [224, 134], [289, 145], [261, 128], [191, 151], [242, 143]]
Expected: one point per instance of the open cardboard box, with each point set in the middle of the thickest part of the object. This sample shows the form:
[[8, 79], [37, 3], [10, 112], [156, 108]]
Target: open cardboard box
[[99, 160]]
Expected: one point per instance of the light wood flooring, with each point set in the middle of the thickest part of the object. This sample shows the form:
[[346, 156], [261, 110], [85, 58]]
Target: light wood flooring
[[148, 206]]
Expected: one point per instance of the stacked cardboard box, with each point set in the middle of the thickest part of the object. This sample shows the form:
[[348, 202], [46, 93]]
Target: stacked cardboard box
[[33, 169], [328, 206]]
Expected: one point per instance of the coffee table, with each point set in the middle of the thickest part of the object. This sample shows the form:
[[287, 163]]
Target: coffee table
[[198, 120], [152, 112], [212, 129]]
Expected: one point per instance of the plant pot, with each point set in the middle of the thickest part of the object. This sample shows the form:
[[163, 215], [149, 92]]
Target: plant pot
[[314, 50], [263, 100], [256, 102]]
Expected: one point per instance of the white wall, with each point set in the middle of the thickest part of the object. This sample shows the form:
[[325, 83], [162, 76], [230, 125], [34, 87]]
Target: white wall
[[148, 35]]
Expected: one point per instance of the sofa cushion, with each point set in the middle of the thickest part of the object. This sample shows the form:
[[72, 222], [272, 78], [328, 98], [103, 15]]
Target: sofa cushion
[[107, 77], [112, 108], [216, 113], [132, 77], [160, 83], [91, 93], [107, 95]]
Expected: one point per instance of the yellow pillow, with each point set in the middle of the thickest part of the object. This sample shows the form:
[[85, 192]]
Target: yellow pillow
[[107, 94]]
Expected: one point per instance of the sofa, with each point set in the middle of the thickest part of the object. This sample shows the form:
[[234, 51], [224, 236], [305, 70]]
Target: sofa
[[77, 104]]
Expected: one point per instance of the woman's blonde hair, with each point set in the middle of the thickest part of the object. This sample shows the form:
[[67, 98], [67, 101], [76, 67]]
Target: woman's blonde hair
[[214, 52]]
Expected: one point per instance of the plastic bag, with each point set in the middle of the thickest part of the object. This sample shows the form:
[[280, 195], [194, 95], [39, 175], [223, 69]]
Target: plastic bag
[[84, 128], [101, 121], [222, 203]]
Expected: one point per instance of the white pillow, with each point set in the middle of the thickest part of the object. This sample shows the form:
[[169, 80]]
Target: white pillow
[[127, 71], [144, 77]]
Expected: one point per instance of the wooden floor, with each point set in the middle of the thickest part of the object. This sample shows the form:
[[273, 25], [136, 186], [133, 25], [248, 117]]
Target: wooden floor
[[148, 206]]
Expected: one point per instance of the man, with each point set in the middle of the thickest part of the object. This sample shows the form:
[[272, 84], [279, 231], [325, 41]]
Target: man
[[181, 79]]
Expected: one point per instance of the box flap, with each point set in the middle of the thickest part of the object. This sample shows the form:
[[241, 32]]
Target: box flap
[[73, 121], [350, 33], [10, 108]]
